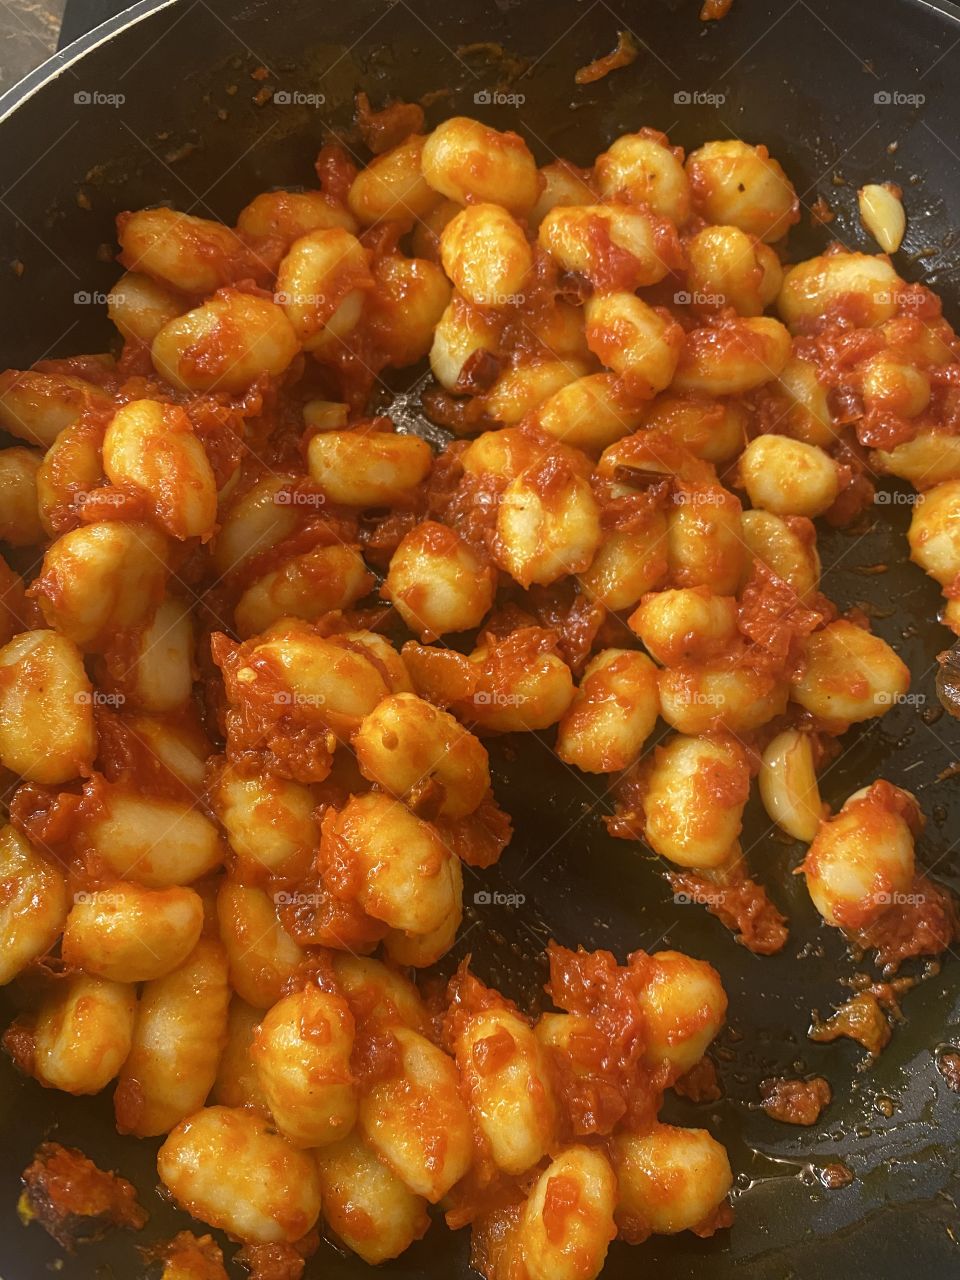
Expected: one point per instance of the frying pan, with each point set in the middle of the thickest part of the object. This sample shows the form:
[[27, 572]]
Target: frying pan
[[842, 93]]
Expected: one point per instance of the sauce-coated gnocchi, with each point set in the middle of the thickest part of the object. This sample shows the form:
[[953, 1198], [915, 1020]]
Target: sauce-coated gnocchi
[[264, 621]]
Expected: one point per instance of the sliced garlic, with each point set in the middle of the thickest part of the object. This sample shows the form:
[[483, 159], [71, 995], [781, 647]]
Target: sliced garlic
[[881, 212], [788, 785]]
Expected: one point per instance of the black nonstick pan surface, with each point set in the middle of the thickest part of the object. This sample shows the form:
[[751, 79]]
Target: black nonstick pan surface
[[161, 104]]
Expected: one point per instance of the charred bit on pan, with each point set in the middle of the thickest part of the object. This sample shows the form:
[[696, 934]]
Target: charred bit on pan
[[73, 1200]]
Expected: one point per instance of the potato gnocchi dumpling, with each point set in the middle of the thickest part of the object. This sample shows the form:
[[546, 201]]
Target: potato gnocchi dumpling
[[365, 1204], [567, 1222], [302, 1056], [736, 184], [414, 1118], [79, 1036], [129, 933], [669, 1179], [694, 797], [214, 1163], [180, 1032], [47, 732], [34, 909], [849, 674], [863, 858], [613, 713]]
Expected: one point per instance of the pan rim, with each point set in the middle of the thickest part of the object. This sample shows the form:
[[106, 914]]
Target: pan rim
[[53, 67]]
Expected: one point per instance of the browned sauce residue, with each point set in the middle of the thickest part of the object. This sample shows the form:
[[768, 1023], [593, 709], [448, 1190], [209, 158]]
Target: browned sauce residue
[[625, 53], [797, 1102]]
